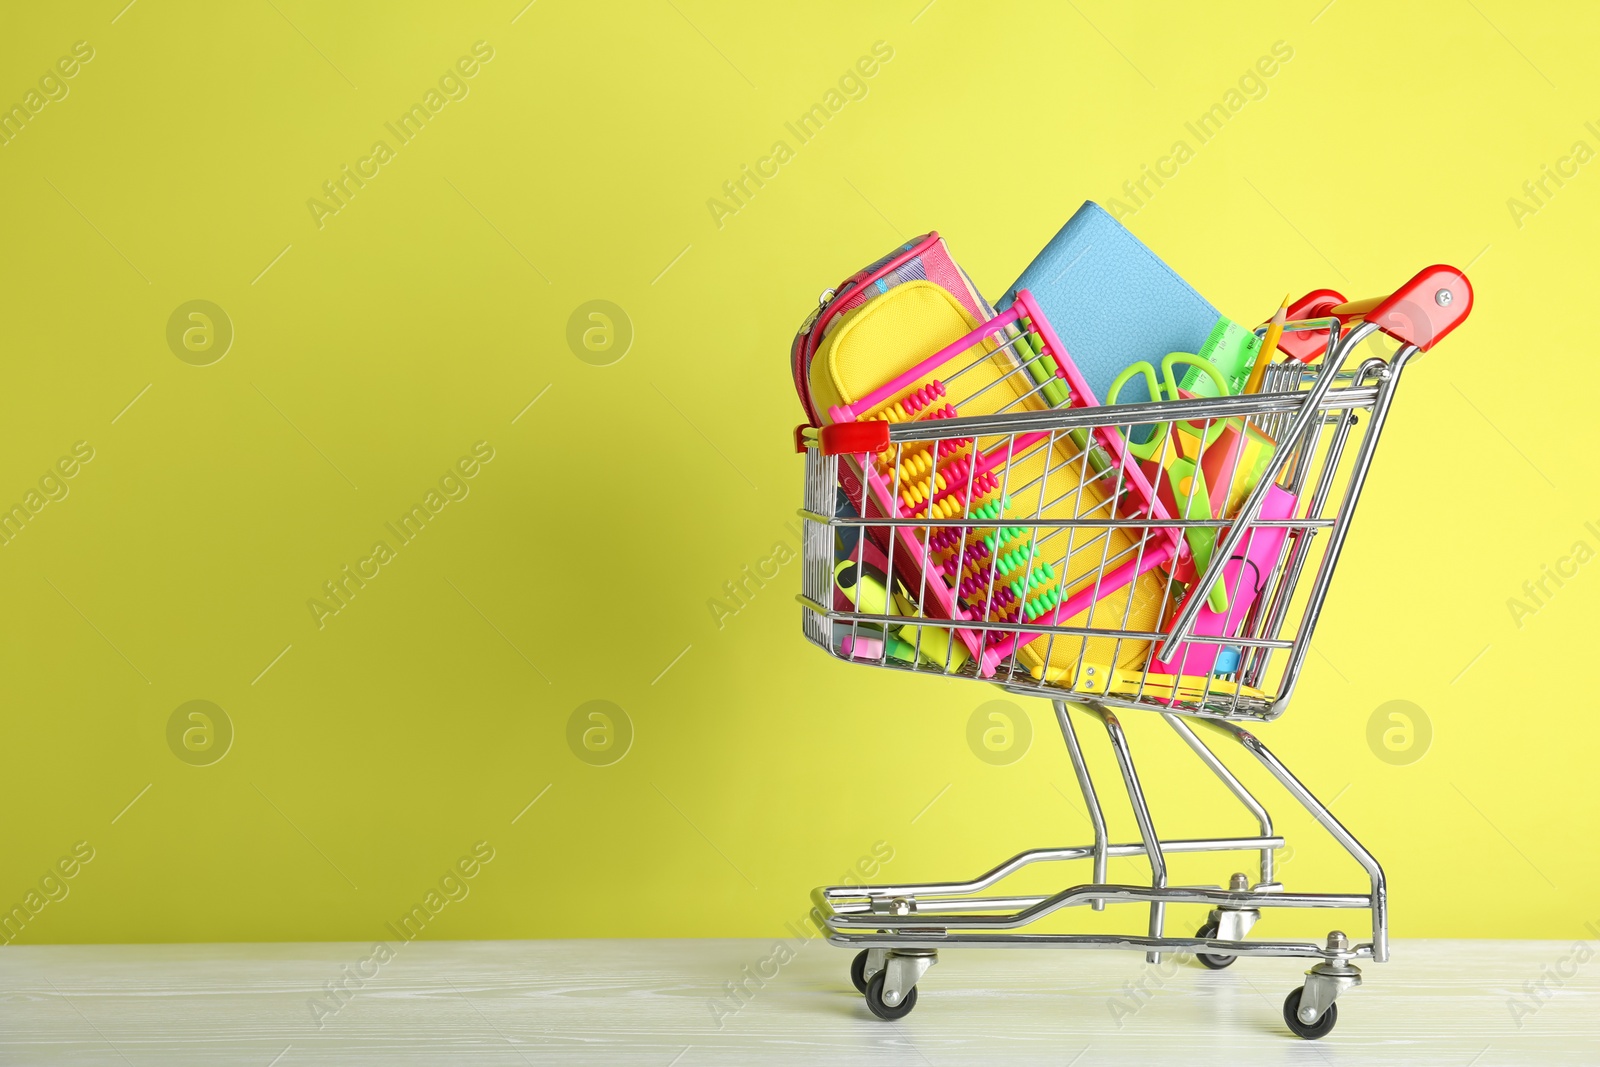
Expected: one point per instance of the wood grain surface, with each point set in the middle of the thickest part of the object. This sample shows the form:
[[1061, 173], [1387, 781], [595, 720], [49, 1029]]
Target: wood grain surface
[[667, 1003]]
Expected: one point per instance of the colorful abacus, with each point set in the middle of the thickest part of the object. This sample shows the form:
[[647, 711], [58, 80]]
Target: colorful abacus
[[907, 407], [989, 586], [974, 574], [916, 464]]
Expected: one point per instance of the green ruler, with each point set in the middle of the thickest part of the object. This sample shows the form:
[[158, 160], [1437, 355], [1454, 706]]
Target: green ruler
[[1232, 350]]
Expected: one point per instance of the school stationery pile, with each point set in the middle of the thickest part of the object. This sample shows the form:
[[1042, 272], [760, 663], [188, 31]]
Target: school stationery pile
[[1023, 529]]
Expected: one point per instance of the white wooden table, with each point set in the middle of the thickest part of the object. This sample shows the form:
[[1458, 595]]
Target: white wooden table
[[656, 1002]]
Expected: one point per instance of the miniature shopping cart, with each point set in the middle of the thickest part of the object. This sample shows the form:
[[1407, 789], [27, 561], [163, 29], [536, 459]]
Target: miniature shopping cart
[[981, 517]]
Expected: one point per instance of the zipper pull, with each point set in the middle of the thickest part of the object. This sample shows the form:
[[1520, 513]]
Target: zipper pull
[[811, 319]]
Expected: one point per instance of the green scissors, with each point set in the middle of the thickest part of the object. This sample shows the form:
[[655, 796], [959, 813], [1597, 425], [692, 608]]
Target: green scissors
[[1184, 475]]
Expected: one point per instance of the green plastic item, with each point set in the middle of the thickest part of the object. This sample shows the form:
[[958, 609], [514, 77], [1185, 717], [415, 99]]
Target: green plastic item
[[1231, 349], [1189, 490], [1030, 349], [898, 649], [1193, 498]]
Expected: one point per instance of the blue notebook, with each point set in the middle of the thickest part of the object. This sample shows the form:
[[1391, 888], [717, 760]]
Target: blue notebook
[[1112, 301]]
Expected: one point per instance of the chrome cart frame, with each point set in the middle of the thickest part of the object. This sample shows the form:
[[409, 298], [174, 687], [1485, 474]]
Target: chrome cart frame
[[1321, 460]]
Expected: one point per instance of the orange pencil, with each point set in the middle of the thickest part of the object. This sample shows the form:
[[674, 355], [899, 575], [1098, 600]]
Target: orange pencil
[[1269, 345]]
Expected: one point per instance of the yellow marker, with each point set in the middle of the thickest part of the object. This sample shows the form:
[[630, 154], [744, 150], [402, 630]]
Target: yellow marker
[[864, 590], [1269, 345], [935, 642]]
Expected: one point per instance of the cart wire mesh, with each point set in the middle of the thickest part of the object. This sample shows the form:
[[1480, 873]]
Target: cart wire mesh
[[1171, 555]]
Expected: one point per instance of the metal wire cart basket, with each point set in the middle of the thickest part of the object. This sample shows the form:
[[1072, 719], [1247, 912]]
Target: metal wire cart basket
[[982, 517]]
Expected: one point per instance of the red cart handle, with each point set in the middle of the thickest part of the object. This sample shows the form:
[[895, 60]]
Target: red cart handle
[[845, 437], [1420, 312]]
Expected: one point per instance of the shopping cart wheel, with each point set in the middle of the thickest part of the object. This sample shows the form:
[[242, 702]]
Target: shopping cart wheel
[[1215, 961], [1310, 1031], [858, 971], [882, 1010]]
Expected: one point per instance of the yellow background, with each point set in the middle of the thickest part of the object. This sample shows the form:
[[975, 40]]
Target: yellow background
[[429, 312]]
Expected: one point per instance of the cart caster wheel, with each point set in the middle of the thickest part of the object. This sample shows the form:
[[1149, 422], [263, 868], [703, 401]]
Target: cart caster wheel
[[858, 971], [884, 1011], [1213, 960], [1321, 1028]]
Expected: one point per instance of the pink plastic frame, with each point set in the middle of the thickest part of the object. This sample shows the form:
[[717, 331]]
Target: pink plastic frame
[[1166, 542]]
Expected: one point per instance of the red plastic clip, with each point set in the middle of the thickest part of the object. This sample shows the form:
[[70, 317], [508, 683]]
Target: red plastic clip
[[1306, 345], [854, 438]]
